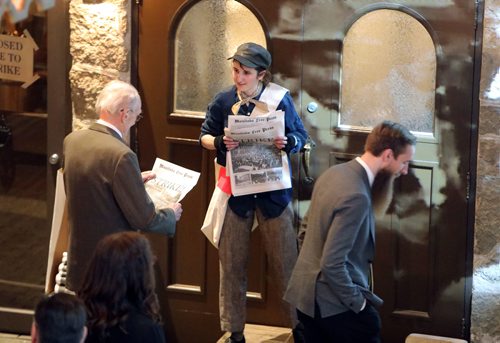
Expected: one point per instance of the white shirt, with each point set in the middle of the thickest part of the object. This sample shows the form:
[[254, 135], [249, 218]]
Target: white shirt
[[111, 126], [371, 176]]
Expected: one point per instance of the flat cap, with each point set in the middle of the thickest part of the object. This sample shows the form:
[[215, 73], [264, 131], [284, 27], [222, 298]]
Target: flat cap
[[252, 55]]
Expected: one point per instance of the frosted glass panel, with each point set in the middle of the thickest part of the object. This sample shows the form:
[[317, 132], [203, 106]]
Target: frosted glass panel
[[388, 72], [207, 35]]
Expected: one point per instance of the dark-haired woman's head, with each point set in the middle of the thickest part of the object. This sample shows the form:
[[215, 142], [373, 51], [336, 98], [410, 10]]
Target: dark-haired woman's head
[[119, 279]]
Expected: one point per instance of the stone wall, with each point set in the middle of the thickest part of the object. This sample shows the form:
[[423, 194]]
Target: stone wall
[[100, 49], [486, 281]]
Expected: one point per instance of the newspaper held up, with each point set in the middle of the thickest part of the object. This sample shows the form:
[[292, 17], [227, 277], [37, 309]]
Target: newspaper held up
[[256, 165], [171, 184]]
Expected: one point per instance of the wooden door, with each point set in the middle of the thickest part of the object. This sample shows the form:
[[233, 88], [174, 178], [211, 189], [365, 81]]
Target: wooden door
[[170, 130], [421, 262]]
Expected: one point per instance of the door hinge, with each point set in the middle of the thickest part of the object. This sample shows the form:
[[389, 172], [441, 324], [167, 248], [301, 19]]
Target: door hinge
[[476, 13], [467, 191], [463, 327]]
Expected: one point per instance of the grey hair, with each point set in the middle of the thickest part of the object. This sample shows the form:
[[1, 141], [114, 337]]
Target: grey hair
[[117, 95]]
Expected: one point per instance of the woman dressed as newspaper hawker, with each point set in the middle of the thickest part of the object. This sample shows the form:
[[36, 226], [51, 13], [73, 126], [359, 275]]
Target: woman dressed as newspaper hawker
[[253, 94]]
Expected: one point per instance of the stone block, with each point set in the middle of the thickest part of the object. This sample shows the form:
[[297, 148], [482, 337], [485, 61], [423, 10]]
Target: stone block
[[487, 215], [86, 84], [489, 156], [98, 34], [489, 122], [486, 304]]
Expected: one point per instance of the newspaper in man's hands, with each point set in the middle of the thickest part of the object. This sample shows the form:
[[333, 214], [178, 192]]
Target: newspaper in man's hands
[[171, 184]]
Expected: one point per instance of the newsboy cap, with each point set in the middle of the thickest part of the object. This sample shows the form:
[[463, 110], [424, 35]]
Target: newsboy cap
[[252, 55]]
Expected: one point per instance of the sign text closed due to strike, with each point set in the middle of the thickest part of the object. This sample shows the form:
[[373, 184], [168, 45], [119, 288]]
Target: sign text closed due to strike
[[16, 58]]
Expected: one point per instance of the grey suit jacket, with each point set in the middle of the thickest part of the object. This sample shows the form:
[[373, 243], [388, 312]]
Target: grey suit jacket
[[333, 267], [105, 194]]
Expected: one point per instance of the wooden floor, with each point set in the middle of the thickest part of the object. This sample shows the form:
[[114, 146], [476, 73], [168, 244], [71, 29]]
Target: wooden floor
[[264, 334], [253, 334], [10, 338]]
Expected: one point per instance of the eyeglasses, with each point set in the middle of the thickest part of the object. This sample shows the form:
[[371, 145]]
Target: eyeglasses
[[139, 116]]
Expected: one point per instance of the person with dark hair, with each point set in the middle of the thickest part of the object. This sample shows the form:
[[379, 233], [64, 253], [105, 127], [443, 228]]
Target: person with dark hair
[[103, 182], [59, 318], [331, 283], [118, 291], [251, 95]]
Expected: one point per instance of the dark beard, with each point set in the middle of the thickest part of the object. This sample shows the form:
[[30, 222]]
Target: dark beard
[[382, 192]]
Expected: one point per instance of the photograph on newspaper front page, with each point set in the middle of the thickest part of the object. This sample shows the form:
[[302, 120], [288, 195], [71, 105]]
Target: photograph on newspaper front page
[[256, 165]]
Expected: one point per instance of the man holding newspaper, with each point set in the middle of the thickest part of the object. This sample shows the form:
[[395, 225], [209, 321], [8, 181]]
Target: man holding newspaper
[[254, 124], [104, 186]]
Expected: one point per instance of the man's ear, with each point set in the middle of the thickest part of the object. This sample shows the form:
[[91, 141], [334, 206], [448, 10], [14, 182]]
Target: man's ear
[[123, 115], [387, 155], [34, 333]]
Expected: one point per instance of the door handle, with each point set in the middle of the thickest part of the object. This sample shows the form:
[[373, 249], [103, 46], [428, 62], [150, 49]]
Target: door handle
[[312, 107], [306, 160], [54, 159]]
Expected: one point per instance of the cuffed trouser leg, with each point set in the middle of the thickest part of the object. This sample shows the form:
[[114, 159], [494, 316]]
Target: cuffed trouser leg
[[280, 243], [233, 256]]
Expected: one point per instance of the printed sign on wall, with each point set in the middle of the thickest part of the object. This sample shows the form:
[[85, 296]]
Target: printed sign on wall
[[16, 58]]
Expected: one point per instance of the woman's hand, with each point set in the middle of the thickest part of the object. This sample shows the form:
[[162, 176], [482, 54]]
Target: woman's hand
[[230, 143], [280, 142]]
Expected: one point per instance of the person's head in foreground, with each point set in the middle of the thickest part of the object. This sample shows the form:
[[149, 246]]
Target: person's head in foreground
[[59, 318], [119, 279]]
